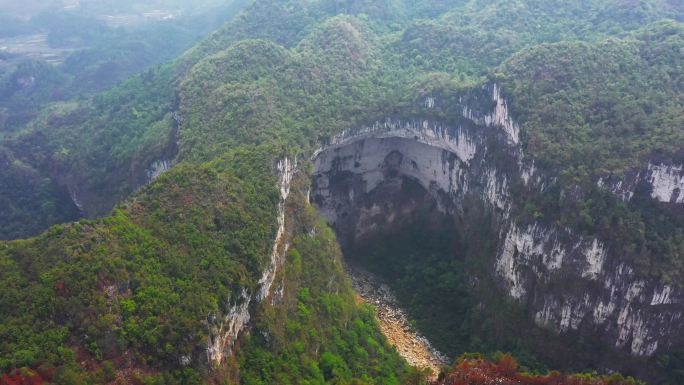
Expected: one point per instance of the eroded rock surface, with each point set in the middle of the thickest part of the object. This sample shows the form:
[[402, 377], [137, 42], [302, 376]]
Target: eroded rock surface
[[566, 281]]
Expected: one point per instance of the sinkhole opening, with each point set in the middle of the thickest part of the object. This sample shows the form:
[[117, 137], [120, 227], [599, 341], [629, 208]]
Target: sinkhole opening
[[399, 213], [382, 196]]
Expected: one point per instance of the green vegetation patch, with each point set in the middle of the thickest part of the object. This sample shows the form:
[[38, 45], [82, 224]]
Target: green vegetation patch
[[139, 285]]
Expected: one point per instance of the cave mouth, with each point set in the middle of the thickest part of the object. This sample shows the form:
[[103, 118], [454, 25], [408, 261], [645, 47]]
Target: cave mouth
[[424, 213], [396, 223], [393, 220], [398, 206], [403, 210], [412, 242], [373, 187]]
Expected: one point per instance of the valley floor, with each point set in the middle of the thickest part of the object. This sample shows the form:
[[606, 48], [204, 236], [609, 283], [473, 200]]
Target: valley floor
[[394, 323]]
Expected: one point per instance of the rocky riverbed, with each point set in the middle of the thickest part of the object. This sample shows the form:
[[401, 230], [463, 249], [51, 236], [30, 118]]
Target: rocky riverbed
[[410, 344]]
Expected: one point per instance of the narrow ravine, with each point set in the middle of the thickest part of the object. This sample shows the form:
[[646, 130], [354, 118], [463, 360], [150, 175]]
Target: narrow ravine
[[410, 344]]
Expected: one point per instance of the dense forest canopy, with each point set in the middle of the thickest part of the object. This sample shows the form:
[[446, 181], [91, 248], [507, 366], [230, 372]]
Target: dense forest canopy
[[127, 261]]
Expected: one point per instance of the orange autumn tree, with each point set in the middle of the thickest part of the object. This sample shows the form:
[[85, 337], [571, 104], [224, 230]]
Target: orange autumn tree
[[26, 376]]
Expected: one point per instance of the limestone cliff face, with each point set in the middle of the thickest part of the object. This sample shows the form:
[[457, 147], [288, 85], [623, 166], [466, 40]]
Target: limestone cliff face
[[225, 329], [664, 179], [565, 280]]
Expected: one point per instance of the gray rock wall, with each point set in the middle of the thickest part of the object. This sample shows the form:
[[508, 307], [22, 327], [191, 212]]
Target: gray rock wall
[[567, 281]]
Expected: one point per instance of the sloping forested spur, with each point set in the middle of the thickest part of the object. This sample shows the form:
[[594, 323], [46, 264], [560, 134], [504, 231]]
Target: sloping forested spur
[[134, 290], [317, 332], [126, 298]]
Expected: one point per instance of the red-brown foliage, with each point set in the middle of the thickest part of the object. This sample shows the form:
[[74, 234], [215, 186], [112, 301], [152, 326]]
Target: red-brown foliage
[[505, 372], [61, 289], [26, 376]]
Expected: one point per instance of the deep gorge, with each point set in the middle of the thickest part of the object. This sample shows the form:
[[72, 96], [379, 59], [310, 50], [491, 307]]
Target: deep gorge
[[314, 182], [449, 183]]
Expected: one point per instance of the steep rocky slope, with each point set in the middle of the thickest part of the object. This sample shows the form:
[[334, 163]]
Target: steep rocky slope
[[466, 122], [565, 280]]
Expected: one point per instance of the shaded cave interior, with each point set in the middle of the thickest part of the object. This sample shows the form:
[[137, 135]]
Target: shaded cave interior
[[392, 219], [386, 201]]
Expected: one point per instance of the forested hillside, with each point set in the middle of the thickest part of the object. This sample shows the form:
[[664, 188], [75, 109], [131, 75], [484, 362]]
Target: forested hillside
[[128, 297], [331, 74], [171, 178]]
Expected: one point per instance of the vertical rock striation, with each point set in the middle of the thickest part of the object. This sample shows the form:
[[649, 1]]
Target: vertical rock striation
[[566, 281], [225, 329], [667, 182]]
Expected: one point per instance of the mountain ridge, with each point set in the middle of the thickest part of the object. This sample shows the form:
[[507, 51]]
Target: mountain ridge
[[506, 98]]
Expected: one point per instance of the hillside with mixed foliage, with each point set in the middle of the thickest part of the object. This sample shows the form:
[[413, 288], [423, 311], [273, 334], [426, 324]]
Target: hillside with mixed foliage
[[128, 296], [142, 280], [597, 87], [314, 74], [475, 370]]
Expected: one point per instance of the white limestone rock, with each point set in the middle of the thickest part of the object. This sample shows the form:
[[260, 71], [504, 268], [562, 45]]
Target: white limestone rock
[[222, 336], [667, 182], [595, 257], [157, 168]]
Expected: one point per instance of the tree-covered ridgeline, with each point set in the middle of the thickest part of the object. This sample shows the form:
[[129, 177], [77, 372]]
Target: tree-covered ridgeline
[[595, 85], [334, 72]]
